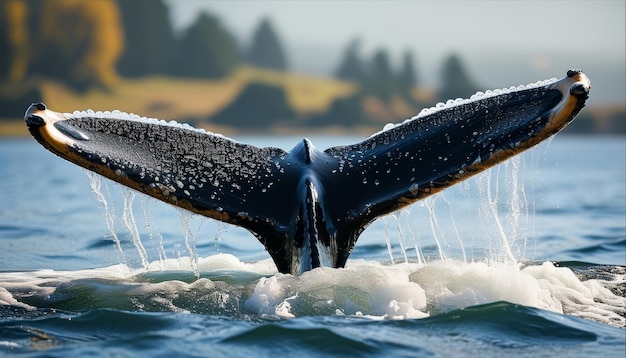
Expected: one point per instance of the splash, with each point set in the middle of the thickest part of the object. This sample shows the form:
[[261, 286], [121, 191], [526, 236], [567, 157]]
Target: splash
[[364, 288]]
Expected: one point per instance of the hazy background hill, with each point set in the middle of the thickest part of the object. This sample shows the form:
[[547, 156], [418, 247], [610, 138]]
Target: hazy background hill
[[291, 66], [501, 42]]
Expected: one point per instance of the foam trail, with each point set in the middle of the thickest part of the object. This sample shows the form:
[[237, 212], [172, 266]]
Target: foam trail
[[131, 224]]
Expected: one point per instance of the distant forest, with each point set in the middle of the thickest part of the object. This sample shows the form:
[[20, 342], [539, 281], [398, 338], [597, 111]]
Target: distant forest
[[90, 45]]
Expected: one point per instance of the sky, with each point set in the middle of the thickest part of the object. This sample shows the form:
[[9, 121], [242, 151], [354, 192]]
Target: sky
[[502, 43]]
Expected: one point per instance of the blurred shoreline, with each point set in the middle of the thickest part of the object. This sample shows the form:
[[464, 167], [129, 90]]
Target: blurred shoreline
[[190, 62], [301, 104]]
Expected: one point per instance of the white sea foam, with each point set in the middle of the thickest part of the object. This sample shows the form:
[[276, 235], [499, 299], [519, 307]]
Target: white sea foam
[[363, 288], [360, 289], [214, 263], [6, 298]]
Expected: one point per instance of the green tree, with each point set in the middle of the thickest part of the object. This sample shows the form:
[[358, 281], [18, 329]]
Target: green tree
[[78, 42], [14, 55], [351, 67], [347, 111], [266, 50], [407, 78], [258, 106], [149, 39], [15, 93], [207, 50], [381, 81], [455, 82]]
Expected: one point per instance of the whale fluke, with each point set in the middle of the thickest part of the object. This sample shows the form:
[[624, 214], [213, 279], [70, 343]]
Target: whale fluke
[[306, 206]]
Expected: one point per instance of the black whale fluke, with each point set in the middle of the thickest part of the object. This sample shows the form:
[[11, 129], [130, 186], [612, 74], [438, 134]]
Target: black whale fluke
[[308, 207]]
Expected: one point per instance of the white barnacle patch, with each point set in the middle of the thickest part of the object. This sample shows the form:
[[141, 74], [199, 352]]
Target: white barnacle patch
[[165, 190], [414, 189]]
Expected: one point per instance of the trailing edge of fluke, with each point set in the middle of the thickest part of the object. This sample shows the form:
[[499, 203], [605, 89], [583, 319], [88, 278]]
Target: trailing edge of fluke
[[306, 206]]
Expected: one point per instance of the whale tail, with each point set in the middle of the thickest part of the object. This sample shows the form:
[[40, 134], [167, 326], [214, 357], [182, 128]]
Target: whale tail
[[308, 207]]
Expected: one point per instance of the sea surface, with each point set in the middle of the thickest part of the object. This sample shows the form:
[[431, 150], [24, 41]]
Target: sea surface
[[526, 259]]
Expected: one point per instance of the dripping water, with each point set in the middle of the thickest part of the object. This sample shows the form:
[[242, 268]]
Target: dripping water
[[219, 232], [406, 218], [95, 181], [190, 239], [388, 239], [502, 216], [131, 225], [407, 238], [456, 230], [491, 201], [400, 238], [429, 204], [146, 215]]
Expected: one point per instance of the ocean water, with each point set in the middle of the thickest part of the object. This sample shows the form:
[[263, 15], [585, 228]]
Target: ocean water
[[527, 259]]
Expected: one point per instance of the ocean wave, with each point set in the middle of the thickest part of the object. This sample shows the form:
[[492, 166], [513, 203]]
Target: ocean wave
[[232, 288]]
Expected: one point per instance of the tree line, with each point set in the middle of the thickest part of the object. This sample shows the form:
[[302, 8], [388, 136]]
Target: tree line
[[90, 44]]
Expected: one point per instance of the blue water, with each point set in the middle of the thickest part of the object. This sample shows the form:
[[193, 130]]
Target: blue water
[[528, 259]]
